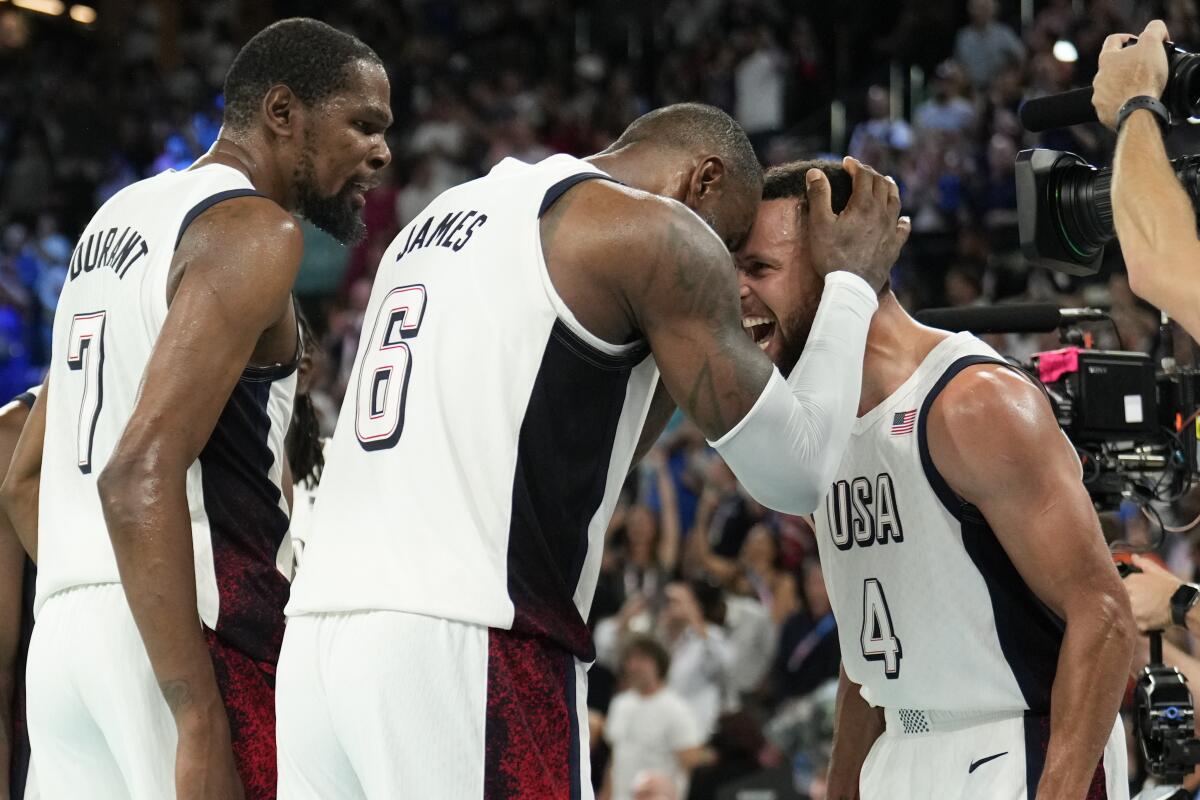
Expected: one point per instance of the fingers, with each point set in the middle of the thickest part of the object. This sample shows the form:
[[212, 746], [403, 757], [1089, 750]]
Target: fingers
[[1115, 41], [1156, 32], [819, 204], [862, 185], [903, 230], [893, 196]]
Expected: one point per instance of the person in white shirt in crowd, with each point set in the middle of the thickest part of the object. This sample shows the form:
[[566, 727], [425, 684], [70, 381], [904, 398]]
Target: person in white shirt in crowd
[[691, 627], [650, 728]]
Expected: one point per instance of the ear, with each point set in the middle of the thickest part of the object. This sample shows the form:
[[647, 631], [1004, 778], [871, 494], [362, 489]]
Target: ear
[[282, 111], [707, 178]]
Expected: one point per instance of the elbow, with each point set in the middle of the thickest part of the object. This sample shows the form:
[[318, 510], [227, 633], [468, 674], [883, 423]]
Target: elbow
[[125, 487], [1110, 616]]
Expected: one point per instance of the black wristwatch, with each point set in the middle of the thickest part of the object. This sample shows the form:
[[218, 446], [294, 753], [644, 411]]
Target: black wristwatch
[[1182, 601], [1151, 104]]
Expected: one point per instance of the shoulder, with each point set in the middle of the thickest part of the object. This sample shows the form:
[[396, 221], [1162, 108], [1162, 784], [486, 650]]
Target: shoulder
[[992, 427], [988, 396], [248, 221]]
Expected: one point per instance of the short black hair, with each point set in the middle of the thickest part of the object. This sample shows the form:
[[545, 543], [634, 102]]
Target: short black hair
[[305, 55], [788, 180], [693, 127], [649, 647]]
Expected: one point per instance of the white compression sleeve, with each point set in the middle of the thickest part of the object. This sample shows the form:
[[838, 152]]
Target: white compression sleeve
[[786, 449]]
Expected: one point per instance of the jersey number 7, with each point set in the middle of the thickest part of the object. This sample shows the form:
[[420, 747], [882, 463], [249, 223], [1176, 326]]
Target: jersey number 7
[[85, 353], [386, 365]]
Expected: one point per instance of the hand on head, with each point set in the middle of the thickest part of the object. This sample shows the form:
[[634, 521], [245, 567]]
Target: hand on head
[[1128, 72], [866, 237]]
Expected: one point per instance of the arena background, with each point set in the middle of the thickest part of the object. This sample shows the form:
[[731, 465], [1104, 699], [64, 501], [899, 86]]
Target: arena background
[[93, 98]]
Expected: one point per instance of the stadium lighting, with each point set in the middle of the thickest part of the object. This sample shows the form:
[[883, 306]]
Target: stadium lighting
[[1065, 52], [85, 15], [51, 7]]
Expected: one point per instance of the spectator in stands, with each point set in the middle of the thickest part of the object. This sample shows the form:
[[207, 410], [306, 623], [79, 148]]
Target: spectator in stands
[[880, 140], [808, 644], [985, 46], [691, 627], [947, 110], [759, 83], [650, 728]]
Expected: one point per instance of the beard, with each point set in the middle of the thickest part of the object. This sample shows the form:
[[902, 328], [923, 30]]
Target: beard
[[334, 214], [793, 335]]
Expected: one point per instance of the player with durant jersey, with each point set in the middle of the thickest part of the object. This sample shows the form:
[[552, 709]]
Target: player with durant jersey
[[506, 378], [151, 670]]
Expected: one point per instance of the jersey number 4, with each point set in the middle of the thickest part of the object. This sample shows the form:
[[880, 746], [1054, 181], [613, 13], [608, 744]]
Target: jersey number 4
[[879, 641], [85, 354], [386, 365]]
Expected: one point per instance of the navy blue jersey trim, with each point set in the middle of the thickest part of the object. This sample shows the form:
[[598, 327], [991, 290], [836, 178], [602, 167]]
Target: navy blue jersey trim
[[26, 398], [1029, 633], [1037, 736], [559, 189], [574, 745], [593, 355], [209, 202], [953, 503]]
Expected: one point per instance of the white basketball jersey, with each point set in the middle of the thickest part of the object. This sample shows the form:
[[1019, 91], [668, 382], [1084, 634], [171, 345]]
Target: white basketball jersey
[[112, 308], [485, 433], [931, 613]]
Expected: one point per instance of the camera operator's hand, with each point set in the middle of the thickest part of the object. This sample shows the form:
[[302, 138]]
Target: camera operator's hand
[[1150, 594], [1127, 72]]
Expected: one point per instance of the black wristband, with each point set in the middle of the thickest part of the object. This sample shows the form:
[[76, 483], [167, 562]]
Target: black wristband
[[1181, 603], [1151, 104]]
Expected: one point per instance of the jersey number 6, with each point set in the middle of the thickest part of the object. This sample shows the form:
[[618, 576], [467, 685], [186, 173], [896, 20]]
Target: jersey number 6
[[386, 365]]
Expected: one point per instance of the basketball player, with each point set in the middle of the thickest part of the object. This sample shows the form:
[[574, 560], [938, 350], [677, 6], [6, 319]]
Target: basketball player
[[170, 391], [985, 635], [437, 643], [17, 575]]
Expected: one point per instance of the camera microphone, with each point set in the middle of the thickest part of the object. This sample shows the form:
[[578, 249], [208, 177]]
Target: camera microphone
[[1058, 110], [1012, 318]]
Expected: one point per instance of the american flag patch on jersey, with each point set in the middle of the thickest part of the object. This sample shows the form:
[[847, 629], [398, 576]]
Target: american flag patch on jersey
[[903, 421]]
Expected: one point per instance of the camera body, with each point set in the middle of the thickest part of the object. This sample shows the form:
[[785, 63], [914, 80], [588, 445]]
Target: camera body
[[1135, 429], [1064, 210]]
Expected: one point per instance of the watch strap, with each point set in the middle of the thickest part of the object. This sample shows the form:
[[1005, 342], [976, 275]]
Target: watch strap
[[1151, 104], [1182, 601]]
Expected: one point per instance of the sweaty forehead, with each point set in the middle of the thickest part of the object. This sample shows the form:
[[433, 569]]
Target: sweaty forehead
[[775, 229]]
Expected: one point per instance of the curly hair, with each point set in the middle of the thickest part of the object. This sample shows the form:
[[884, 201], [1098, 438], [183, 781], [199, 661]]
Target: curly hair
[[309, 57]]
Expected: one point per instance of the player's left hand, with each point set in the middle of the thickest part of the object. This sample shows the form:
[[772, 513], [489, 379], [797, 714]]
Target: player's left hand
[[1150, 594], [1127, 72]]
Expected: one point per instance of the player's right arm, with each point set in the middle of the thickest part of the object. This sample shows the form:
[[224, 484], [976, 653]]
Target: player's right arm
[[238, 262], [782, 438], [22, 483], [12, 567], [856, 727]]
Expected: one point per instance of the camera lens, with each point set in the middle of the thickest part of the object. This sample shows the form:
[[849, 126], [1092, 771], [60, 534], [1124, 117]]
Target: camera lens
[[1083, 208]]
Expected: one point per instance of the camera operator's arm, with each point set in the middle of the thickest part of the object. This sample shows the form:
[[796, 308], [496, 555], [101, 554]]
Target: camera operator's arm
[[856, 726], [1155, 223], [995, 440], [1150, 594]]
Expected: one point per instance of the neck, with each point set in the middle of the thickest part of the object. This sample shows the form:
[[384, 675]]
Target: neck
[[896, 346], [648, 689], [643, 167], [248, 154]]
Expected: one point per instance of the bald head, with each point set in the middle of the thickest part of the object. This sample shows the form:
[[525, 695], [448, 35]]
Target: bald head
[[696, 154], [699, 129]]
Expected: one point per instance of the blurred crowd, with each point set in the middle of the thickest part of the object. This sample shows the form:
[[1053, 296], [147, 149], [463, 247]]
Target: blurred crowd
[[717, 652]]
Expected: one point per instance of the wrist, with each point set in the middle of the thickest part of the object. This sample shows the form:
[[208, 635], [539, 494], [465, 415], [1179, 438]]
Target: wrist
[[1183, 600]]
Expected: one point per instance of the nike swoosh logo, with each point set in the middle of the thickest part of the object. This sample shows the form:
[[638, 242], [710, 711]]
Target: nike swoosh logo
[[976, 764]]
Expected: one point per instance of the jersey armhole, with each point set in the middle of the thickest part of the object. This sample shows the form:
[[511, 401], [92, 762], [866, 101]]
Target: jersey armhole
[[209, 202], [959, 508], [567, 327]]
